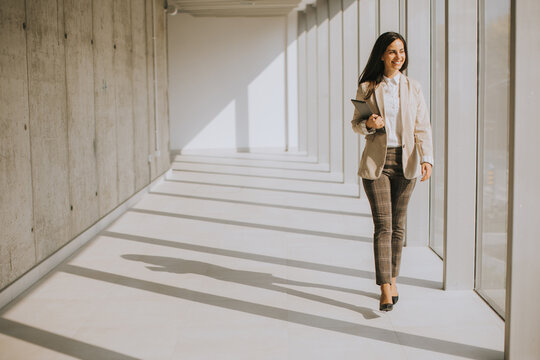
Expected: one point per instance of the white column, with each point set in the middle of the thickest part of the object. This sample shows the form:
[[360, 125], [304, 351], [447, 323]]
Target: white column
[[523, 286], [312, 92], [368, 14], [368, 25], [292, 81], [418, 43], [323, 85], [403, 15], [389, 16], [302, 82], [336, 86], [460, 171], [351, 150]]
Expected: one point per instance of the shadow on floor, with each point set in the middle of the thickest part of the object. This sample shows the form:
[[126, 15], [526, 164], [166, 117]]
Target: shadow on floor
[[242, 202], [249, 278], [271, 259], [253, 225], [262, 188], [250, 165], [256, 176], [58, 343], [315, 321]]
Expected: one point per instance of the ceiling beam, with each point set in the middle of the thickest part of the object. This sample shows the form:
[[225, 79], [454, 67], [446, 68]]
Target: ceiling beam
[[234, 7]]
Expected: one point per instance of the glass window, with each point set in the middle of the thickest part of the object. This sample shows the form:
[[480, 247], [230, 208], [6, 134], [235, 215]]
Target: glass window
[[493, 117], [438, 120]]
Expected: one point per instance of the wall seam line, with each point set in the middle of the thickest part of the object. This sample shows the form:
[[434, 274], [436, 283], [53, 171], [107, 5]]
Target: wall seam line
[[95, 120], [67, 107], [29, 129]]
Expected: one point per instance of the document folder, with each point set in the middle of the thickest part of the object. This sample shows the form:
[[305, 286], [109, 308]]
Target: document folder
[[363, 108]]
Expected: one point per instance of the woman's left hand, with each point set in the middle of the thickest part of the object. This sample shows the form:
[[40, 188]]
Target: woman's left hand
[[426, 171]]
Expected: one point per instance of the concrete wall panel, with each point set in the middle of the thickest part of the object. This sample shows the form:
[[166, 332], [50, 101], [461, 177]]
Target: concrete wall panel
[[80, 114], [162, 104], [123, 69], [64, 91], [17, 250], [140, 89], [48, 125], [151, 87], [105, 106]]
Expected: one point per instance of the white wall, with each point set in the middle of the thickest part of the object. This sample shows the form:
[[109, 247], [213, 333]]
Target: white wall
[[227, 81]]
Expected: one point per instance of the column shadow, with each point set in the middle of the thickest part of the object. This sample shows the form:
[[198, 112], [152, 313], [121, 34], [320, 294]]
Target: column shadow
[[253, 225], [250, 278], [214, 183], [239, 174], [273, 260], [244, 202], [296, 317], [58, 343], [182, 160]]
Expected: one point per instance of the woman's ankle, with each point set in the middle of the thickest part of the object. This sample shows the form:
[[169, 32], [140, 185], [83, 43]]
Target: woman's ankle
[[386, 289], [393, 288], [386, 294]]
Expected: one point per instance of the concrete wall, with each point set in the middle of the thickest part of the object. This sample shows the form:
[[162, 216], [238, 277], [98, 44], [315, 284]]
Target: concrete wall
[[83, 118], [228, 82]]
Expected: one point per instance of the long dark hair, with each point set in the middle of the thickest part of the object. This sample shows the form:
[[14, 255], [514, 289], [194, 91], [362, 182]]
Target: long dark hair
[[374, 70]]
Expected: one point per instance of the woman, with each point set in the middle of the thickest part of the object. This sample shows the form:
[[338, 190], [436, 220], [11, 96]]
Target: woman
[[398, 146]]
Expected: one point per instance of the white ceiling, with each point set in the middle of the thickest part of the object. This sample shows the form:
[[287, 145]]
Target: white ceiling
[[235, 7]]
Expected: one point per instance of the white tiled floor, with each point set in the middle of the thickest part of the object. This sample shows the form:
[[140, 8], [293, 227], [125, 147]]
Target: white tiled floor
[[203, 271]]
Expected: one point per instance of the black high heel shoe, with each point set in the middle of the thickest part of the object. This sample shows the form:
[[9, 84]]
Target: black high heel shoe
[[395, 299]]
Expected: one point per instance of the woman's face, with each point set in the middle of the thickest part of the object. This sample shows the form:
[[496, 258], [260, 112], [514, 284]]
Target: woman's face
[[394, 57]]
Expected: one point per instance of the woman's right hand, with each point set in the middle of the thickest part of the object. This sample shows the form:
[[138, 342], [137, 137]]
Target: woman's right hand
[[375, 122]]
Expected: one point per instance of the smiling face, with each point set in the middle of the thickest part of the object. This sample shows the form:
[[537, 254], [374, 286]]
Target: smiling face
[[393, 58]]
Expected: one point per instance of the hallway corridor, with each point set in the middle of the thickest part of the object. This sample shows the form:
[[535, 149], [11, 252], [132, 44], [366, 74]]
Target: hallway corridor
[[233, 257]]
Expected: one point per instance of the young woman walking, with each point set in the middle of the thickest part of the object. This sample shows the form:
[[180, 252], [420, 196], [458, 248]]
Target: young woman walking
[[398, 149]]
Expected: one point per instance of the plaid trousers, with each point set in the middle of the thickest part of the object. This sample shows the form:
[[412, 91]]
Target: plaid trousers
[[388, 197]]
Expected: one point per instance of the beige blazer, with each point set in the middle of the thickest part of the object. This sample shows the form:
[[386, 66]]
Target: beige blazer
[[416, 130]]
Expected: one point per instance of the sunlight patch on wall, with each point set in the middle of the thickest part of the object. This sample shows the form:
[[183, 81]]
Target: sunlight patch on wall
[[266, 97], [219, 133]]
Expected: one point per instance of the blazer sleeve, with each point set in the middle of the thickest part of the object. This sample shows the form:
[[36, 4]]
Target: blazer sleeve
[[422, 128], [359, 125]]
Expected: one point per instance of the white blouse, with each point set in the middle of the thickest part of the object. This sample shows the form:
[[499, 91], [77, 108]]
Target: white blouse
[[392, 118], [392, 115]]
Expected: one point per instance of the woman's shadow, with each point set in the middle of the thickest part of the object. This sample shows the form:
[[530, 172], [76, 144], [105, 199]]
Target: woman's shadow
[[250, 278]]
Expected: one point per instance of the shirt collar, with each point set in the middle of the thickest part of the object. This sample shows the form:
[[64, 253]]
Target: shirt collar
[[392, 81]]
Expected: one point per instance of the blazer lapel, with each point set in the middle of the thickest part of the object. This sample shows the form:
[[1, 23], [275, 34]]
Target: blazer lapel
[[403, 101], [379, 98]]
